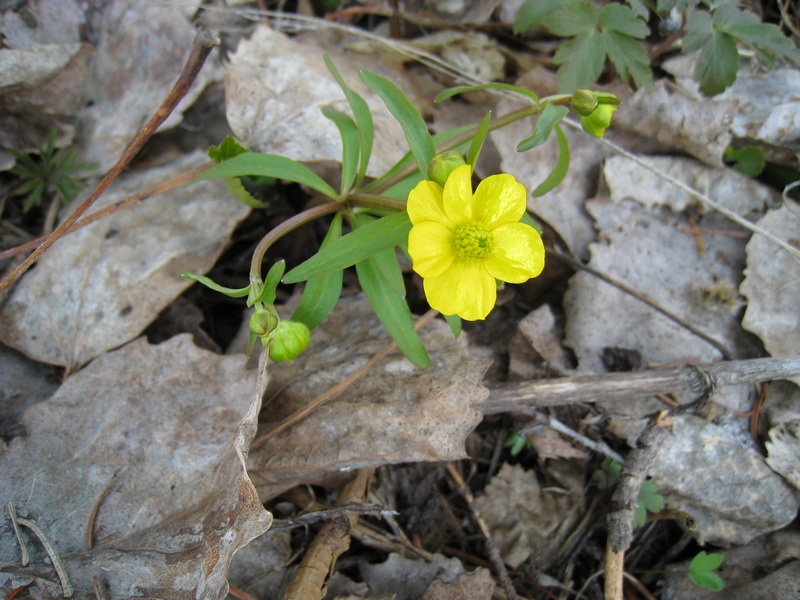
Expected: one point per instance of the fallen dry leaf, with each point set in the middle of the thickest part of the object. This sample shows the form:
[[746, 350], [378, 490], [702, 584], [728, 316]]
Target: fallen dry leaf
[[771, 283], [477, 585], [139, 57], [23, 383], [407, 579], [395, 413], [155, 424], [717, 475], [522, 517], [101, 286]]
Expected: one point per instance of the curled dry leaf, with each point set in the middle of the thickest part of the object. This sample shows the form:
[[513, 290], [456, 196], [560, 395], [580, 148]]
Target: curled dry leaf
[[395, 413], [275, 87], [101, 286], [155, 425]]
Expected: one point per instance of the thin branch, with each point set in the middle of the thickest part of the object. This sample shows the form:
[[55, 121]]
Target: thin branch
[[619, 386], [66, 586], [203, 44]]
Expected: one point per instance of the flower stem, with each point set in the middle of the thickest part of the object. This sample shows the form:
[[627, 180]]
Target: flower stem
[[287, 226]]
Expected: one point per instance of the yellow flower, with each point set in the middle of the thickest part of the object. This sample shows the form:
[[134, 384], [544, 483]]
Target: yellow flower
[[463, 243]]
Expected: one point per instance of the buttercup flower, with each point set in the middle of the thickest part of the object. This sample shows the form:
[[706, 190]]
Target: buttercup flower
[[462, 243]]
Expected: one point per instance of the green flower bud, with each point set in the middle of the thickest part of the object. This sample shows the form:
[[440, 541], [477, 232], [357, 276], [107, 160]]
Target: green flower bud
[[443, 164], [584, 102], [289, 340], [263, 322], [597, 122]]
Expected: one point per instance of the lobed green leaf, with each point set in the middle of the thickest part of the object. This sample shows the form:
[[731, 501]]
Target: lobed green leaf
[[477, 142]]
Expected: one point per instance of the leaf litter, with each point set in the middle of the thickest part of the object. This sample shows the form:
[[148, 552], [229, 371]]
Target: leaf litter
[[397, 415]]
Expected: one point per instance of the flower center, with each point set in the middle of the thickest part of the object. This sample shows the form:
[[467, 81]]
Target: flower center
[[473, 240]]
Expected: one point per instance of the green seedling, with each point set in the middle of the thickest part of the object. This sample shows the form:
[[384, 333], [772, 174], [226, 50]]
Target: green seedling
[[649, 499], [517, 443], [701, 571]]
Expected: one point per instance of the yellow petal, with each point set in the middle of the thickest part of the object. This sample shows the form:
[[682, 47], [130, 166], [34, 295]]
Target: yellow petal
[[425, 203], [457, 196], [431, 248], [465, 289], [499, 199], [518, 253]]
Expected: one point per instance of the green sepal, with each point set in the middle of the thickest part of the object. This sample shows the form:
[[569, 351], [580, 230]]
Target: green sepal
[[268, 165], [449, 93], [547, 120], [350, 145], [231, 292], [477, 142], [414, 127], [393, 312], [363, 118], [561, 168], [321, 293], [528, 220], [366, 241]]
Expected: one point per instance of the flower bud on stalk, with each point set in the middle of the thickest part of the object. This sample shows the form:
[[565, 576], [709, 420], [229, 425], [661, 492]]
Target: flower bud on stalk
[[289, 339], [443, 164], [595, 110]]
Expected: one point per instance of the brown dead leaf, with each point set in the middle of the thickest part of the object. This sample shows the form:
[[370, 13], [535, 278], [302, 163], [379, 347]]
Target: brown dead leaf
[[156, 422], [407, 579], [275, 87], [523, 518], [395, 413], [477, 585], [101, 286]]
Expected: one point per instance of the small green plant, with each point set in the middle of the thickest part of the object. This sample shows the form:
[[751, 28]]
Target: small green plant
[[517, 443], [713, 27], [701, 571], [51, 172], [463, 243], [649, 499], [748, 161]]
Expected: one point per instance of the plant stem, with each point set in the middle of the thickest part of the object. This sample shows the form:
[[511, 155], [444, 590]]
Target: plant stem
[[287, 226]]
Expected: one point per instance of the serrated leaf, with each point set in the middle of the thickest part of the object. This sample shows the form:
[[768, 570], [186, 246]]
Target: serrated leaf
[[547, 120], [321, 294], [354, 247], [621, 30], [581, 61], [268, 165], [350, 145], [639, 8], [393, 312], [560, 169], [745, 27], [238, 191], [414, 127], [363, 118], [573, 19], [228, 148], [450, 92], [717, 64], [532, 12]]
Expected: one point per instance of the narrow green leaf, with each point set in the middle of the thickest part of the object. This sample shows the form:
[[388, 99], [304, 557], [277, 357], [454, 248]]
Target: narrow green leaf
[[449, 93], [455, 324], [414, 127], [385, 260], [363, 118], [270, 290], [354, 247], [401, 189], [477, 142], [350, 145], [268, 165], [548, 119], [237, 189], [393, 312], [561, 168], [233, 293], [321, 293]]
